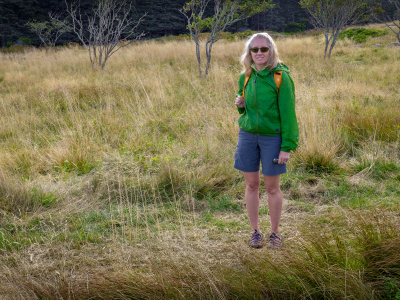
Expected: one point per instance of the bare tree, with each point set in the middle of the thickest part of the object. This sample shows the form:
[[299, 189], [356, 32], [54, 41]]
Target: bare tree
[[392, 22], [332, 16], [226, 13], [101, 33], [49, 32]]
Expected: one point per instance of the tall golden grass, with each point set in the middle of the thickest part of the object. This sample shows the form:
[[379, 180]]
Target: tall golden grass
[[118, 184]]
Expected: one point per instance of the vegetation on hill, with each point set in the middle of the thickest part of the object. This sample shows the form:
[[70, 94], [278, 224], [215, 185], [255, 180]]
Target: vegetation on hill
[[163, 18]]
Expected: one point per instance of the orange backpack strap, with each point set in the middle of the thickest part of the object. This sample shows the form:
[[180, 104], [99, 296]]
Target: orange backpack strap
[[244, 85], [278, 79]]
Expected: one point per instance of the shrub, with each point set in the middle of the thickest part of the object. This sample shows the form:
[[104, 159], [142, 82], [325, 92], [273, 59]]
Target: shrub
[[294, 27], [245, 34], [25, 41], [360, 35], [223, 35], [168, 38], [238, 35], [14, 48]]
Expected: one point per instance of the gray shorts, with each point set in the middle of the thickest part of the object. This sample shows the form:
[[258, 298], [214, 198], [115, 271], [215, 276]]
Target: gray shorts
[[253, 148]]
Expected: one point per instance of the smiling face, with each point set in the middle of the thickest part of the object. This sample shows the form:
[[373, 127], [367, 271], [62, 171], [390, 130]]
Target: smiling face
[[260, 58]]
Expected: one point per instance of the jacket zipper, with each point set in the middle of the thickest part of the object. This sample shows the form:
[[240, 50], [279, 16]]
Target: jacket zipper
[[255, 101]]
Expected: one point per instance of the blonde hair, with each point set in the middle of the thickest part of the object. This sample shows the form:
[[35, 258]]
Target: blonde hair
[[246, 59]]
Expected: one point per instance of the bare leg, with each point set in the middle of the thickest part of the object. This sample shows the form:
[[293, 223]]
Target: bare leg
[[275, 197], [252, 198]]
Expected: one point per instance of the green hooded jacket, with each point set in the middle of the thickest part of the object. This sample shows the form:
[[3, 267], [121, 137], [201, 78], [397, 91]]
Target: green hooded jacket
[[267, 114]]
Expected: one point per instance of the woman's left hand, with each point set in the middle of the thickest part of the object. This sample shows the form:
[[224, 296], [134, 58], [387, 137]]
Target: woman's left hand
[[283, 157], [239, 101]]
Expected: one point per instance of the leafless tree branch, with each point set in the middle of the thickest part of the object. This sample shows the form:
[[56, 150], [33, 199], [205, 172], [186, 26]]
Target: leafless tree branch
[[101, 33], [392, 22], [226, 13], [331, 16]]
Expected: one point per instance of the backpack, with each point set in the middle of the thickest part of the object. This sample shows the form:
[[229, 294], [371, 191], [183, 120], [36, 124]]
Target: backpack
[[277, 79]]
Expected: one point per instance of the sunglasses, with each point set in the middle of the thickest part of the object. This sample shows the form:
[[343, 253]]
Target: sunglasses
[[255, 49]]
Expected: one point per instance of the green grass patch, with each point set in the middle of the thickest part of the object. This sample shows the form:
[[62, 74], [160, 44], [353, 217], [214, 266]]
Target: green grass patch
[[44, 199], [350, 195], [378, 169], [391, 290], [263, 210], [17, 198], [78, 229], [79, 165], [224, 204]]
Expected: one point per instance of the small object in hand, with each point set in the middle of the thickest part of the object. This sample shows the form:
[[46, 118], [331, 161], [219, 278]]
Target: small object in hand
[[275, 160]]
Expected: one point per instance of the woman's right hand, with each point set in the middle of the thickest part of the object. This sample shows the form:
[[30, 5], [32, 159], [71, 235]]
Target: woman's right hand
[[239, 102]]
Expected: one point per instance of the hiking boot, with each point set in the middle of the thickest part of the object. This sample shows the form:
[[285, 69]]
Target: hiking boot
[[256, 240], [275, 241]]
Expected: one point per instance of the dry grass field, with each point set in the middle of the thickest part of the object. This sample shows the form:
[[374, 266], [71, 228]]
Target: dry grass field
[[118, 184]]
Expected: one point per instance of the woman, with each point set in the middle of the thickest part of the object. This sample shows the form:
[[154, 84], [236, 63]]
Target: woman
[[268, 130]]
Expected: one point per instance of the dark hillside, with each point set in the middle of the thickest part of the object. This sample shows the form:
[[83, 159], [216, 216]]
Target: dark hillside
[[163, 17]]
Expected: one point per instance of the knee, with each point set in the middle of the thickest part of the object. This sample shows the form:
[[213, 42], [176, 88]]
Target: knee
[[252, 186], [273, 190]]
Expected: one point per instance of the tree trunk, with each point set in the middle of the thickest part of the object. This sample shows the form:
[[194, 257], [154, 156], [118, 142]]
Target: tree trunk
[[334, 39], [326, 32], [208, 54], [198, 56], [330, 49], [90, 55]]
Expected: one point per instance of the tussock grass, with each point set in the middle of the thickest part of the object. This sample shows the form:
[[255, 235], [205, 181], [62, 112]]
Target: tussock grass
[[119, 183], [322, 263]]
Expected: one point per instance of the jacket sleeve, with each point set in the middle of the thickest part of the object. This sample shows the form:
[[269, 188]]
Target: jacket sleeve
[[240, 92], [287, 111]]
